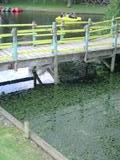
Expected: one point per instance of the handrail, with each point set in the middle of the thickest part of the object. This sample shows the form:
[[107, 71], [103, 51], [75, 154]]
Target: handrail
[[15, 25], [103, 29], [101, 22], [45, 26], [106, 21], [35, 34], [72, 31], [78, 22]]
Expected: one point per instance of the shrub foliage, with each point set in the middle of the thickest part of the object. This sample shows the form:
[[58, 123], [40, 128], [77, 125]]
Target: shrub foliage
[[113, 9]]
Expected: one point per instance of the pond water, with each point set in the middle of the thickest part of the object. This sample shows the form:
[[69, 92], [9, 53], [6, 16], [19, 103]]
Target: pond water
[[40, 17], [82, 120]]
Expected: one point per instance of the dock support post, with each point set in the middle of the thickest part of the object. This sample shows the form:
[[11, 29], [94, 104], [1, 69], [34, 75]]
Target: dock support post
[[86, 41], [34, 33], [113, 63], [54, 28], [14, 47], [34, 79], [35, 76], [115, 36], [27, 129]]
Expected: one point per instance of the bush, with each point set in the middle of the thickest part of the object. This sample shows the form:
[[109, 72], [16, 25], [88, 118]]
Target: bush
[[113, 9]]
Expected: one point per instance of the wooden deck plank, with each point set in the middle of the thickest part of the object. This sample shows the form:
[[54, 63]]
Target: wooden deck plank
[[45, 51]]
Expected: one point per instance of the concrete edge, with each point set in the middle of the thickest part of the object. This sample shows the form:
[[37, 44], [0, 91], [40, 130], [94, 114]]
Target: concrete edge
[[56, 155]]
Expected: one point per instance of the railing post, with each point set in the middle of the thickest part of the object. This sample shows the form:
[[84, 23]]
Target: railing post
[[62, 30], [115, 35], [34, 33], [112, 25], [115, 43], [14, 44], [54, 39], [0, 29], [54, 51], [89, 21]]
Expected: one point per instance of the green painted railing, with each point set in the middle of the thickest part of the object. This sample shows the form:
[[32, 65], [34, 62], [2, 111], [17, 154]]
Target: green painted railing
[[55, 34]]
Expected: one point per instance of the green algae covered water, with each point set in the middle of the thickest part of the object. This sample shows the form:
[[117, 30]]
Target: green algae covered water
[[82, 120]]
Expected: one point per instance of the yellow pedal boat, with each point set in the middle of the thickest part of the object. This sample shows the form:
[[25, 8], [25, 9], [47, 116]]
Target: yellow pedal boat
[[67, 19]]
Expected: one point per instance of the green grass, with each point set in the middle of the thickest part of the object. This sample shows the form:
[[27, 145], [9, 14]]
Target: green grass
[[60, 7], [13, 146]]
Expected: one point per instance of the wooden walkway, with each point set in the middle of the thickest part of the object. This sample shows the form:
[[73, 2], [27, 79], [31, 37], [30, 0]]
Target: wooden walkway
[[65, 52], [97, 41]]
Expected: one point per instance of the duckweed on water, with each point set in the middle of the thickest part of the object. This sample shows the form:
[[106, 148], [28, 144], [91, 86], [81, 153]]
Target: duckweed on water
[[82, 120]]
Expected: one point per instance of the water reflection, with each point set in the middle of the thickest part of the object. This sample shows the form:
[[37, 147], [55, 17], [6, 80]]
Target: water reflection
[[22, 73], [39, 17]]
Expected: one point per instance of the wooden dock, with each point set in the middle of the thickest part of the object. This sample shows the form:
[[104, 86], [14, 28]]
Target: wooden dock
[[29, 56], [99, 41]]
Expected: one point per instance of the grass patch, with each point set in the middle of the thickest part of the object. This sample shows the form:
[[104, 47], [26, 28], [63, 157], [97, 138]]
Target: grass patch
[[13, 146]]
